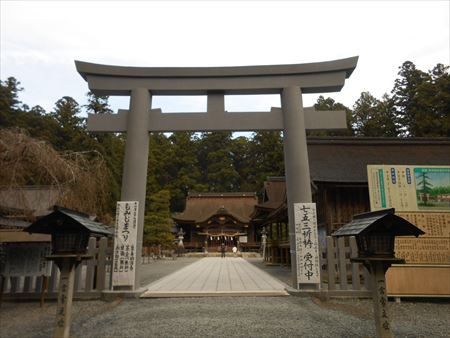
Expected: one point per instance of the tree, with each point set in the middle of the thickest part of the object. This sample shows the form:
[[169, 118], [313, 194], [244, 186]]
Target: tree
[[183, 168], [424, 185], [240, 153], [216, 162], [422, 101], [157, 222], [331, 104], [266, 158], [373, 117], [97, 104], [111, 146], [9, 101], [80, 178], [70, 134], [159, 156]]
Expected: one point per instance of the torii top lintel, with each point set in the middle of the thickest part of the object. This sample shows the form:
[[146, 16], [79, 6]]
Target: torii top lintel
[[315, 77]]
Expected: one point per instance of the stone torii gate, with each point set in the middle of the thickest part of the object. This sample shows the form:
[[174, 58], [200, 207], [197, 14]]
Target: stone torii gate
[[290, 81]]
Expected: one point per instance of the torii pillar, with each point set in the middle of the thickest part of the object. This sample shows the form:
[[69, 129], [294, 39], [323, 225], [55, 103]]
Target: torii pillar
[[290, 81]]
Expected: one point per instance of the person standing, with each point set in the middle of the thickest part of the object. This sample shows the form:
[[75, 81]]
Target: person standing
[[222, 250]]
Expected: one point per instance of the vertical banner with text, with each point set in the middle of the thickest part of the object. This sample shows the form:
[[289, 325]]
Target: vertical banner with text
[[125, 240], [307, 243]]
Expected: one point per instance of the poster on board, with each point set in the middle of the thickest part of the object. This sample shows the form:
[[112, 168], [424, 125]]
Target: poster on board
[[25, 259], [125, 240], [307, 243], [409, 187]]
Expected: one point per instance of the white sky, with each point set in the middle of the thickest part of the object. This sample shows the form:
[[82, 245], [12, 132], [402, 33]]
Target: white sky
[[41, 39]]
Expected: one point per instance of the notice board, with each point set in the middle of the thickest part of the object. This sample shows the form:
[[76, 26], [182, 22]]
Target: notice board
[[431, 248], [409, 187], [125, 240], [25, 259], [421, 195], [307, 243]]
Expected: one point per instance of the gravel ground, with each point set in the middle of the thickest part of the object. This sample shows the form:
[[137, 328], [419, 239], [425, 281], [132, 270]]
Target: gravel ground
[[224, 316]]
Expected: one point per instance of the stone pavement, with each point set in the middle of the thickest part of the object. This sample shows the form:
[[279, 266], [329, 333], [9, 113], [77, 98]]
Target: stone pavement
[[215, 276]]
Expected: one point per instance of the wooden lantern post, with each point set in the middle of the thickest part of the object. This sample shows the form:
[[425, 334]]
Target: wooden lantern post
[[375, 234]]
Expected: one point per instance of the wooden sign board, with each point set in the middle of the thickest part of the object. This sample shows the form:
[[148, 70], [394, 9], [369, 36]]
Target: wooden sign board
[[307, 243], [125, 240], [409, 187], [242, 239], [431, 248], [25, 259]]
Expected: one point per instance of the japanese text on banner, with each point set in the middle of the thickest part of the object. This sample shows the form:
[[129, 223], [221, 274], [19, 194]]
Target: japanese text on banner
[[307, 243], [125, 239]]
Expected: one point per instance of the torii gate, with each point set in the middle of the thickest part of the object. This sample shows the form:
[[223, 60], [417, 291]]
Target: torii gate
[[290, 81]]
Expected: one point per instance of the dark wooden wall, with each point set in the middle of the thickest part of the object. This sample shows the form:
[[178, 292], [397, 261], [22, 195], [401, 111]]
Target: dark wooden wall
[[338, 202]]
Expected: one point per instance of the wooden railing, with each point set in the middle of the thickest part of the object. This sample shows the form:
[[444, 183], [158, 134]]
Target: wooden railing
[[91, 277], [339, 275]]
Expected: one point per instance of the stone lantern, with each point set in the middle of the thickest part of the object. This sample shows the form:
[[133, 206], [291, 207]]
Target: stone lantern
[[180, 246], [70, 232], [263, 243], [375, 234]]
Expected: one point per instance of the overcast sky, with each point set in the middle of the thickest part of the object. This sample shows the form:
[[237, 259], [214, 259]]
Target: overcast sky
[[40, 41]]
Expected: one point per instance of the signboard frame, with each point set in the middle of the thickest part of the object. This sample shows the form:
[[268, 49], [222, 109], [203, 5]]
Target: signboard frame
[[125, 243], [409, 187], [25, 259], [307, 243]]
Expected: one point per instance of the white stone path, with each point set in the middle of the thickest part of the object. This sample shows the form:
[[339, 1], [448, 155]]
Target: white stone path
[[215, 276]]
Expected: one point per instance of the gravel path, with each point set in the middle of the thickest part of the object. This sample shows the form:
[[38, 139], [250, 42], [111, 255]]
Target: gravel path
[[224, 317]]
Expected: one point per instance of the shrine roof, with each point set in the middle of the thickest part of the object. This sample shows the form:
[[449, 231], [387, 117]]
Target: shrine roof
[[201, 207], [68, 219], [274, 193], [381, 221], [345, 159]]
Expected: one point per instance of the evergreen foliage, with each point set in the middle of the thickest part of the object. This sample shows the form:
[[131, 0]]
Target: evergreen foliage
[[330, 104], [422, 100], [375, 118], [157, 222]]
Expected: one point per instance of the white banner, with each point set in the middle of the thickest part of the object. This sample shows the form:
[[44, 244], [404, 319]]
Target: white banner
[[307, 243], [125, 240]]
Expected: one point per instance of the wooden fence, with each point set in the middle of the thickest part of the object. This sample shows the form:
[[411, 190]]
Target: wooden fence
[[340, 277], [91, 277]]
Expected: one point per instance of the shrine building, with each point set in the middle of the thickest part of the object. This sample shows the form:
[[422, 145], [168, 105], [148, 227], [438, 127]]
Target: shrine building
[[339, 183], [210, 219], [339, 186]]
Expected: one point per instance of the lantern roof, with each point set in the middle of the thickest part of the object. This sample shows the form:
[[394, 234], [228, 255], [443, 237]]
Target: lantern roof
[[381, 221], [67, 220]]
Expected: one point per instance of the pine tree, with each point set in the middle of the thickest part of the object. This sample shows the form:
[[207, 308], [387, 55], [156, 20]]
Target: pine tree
[[374, 118], [183, 168], [423, 101], [216, 162], [331, 104], [9, 101], [266, 158], [157, 222]]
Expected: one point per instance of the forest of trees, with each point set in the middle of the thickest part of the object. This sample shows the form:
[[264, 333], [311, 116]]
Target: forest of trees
[[417, 106]]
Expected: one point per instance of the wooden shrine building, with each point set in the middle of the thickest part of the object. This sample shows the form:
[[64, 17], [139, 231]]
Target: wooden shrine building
[[210, 219], [338, 168]]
